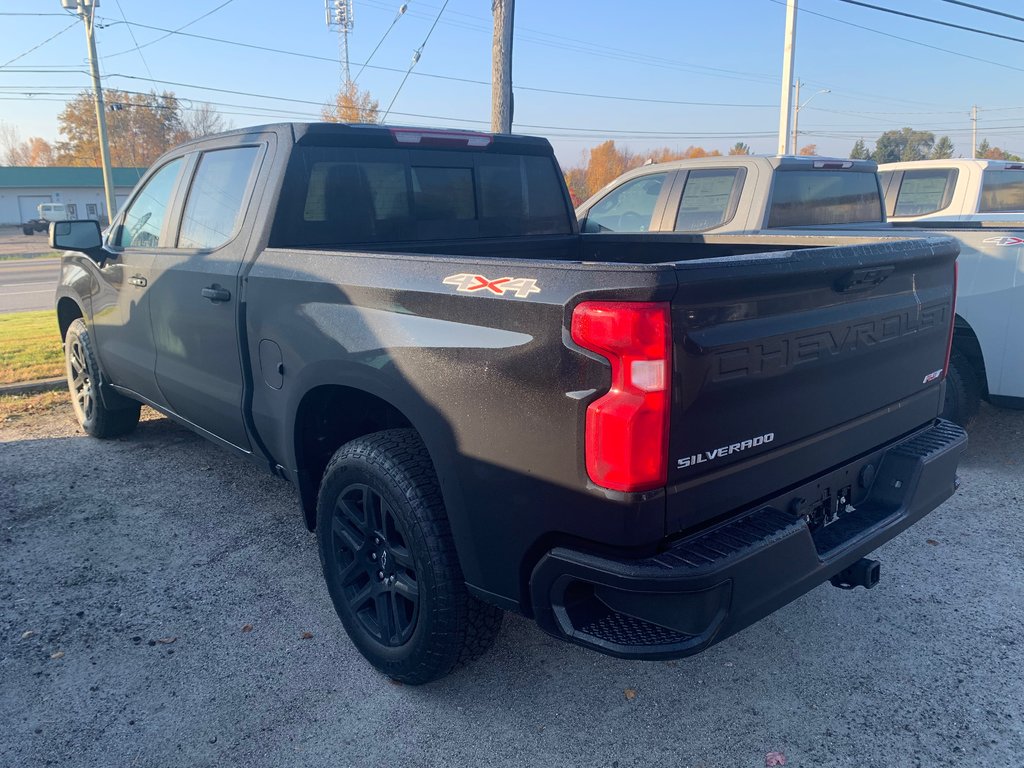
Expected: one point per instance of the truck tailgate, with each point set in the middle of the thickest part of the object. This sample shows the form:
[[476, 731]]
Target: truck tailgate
[[787, 364]]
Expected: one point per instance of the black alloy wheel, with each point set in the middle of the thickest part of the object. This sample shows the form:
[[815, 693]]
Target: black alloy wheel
[[79, 381], [375, 567], [390, 562]]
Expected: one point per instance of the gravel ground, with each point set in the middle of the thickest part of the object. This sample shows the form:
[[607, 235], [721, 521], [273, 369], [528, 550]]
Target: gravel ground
[[109, 551]]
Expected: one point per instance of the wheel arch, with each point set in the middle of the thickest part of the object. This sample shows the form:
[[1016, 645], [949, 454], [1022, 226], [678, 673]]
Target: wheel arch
[[965, 341], [68, 310], [327, 417]]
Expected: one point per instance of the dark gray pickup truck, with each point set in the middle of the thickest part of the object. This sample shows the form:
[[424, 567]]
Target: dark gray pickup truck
[[645, 443]]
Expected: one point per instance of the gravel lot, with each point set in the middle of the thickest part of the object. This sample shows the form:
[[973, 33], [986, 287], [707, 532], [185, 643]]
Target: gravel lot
[[109, 551]]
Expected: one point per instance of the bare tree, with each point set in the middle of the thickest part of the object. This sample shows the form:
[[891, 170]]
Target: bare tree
[[204, 120]]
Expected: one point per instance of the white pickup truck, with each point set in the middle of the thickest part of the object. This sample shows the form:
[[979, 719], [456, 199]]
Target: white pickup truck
[[790, 195], [953, 190]]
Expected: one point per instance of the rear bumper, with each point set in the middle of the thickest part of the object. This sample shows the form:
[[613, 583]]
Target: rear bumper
[[708, 586]]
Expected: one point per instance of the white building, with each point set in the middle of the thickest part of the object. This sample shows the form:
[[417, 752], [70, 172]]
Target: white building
[[22, 188]]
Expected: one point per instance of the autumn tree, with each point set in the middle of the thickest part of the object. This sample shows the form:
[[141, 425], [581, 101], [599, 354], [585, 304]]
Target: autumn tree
[[352, 105], [988, 152], [33, 151], [739, 148], [576, 181], [140, 127], [606, 163], [859, 151], [808, 149]]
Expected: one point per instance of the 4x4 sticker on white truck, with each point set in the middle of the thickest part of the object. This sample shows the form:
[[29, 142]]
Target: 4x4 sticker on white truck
[[521, 287], [1004, 240]]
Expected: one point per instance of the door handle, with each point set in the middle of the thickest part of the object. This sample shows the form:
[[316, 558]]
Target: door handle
[[138, 280], [215, 293]]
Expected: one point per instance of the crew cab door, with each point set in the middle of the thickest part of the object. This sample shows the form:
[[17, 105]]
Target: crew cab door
[[195, 292], [121, 304]]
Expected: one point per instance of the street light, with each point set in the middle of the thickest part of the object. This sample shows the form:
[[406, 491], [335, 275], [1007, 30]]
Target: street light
[[86, 11], [796, 111]]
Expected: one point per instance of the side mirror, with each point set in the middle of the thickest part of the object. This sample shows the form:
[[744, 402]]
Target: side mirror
[[82, 236]]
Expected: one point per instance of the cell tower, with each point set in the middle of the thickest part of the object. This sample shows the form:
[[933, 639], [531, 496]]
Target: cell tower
[[340, 17]]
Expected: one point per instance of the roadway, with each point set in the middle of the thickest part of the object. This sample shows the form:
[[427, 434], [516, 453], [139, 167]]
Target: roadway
[[28, 284]]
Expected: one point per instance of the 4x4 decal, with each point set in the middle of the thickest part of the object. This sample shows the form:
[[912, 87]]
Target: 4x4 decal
[[521, 287]]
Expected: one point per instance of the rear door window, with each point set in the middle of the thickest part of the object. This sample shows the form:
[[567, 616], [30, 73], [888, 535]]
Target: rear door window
[[709, 198], [628, 208], [1002, 192], [811, 198], [925, 191], [214, 206]]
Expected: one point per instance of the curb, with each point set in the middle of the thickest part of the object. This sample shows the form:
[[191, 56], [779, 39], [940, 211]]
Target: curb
[[33, 387]]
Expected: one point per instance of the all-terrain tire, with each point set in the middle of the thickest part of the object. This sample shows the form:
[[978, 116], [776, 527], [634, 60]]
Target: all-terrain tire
[[83, 374], [390, 563], [963, 391]]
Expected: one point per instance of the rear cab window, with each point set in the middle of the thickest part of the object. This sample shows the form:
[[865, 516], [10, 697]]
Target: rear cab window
[[823, 196], [336, 196], [925, 191], [1002, 191]]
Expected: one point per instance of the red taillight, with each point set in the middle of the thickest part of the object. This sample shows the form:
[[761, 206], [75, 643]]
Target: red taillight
[[952, 319], [627, 429]]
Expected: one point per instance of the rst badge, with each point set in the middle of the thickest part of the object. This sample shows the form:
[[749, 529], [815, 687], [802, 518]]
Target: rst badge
[[520, 287]]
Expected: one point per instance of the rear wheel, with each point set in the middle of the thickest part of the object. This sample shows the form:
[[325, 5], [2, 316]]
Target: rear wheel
[[390, 563], [963, 391], [83, 372]]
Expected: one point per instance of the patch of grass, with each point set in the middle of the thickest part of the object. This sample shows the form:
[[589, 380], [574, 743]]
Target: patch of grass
[[30, 347], [19, 406]]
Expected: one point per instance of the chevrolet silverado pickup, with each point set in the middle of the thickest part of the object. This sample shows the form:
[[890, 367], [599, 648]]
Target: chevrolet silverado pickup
[[959, 189], [794, 195], [645, 446]]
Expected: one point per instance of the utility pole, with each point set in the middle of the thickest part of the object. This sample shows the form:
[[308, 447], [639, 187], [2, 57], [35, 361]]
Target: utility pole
[[974, 131], [501, 66], [787, 77], [797, 106], [794, 142], [86, 10]]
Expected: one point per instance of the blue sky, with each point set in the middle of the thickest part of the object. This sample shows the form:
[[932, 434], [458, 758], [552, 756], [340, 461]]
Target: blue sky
[[727, 52]]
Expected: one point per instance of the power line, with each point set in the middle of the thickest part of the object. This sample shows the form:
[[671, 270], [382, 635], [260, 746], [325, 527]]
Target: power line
[[40, 45], [904, 39], [132, 33], [950, 24], [401, 12], [415, 58], [983, 9], [450, 78], [169, 32]]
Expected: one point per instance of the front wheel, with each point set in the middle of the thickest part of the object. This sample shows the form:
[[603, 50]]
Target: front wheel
[[83, 372], [390, 563]]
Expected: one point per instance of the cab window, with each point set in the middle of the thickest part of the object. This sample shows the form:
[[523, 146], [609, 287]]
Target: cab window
[[628, 208], [145, 217], [709, 198], [925, 191], [214, 206]]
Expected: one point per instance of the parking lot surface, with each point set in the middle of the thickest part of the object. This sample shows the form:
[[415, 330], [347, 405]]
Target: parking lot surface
[[161, 604]]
